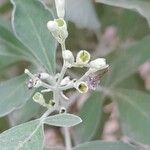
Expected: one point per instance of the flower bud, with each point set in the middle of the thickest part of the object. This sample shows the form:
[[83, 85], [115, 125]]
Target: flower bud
[[52, 26], [68, 56], [38, 98], [44, 76], [98, 64], [83, 57], [58, 28], [60, 7], [65, 81], [82, 87]]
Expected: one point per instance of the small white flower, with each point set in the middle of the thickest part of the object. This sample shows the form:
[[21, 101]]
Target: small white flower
[[98, 64], [83, 57], [60, 7]]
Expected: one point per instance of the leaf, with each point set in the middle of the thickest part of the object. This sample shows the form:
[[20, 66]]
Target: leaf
[[134, 113], [128, 62], [29, 111], [63, 120], [10, 45], [141, 6], [123, 21], [54, 149], [29, 21], [132, 82], [91, 114], [14, 137], [99, 145], [14, 94], [77, 10], [6, 62]]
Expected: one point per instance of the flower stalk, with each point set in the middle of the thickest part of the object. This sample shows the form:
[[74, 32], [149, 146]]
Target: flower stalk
[[59, 83]]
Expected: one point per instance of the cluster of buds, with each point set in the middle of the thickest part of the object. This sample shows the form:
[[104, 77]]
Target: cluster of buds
[[59, 82]]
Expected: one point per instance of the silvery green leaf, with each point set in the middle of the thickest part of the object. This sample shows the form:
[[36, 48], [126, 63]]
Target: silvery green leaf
[[29, 22], [133, 106], [141, 6], [100, 145], [77, 10], [128, 62], [91, 113], [63, 120], [14, 94], [16, 137]]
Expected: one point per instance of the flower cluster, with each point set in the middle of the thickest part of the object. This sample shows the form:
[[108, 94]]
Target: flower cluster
[[59, 82]]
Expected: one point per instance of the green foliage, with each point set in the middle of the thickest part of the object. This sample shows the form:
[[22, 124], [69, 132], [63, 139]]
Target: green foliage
[[141, 6], [104, 146], [128, 62], [30, 135], [14, 94], [29, 24], [33, 43], [84, 9], [92, 107], [134, 113], [101, 146], [63, 120], [15, 137]]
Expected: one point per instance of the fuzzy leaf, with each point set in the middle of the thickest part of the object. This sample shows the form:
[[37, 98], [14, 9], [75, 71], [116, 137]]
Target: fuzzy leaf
[[142, 6], [91, 114], [97, 145], [77, 10], [14, 94], [12, 139], [63, 120], [29, 23], [128, 61], [134, 113]]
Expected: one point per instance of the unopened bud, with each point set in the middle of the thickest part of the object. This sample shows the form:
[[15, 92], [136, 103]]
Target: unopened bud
[[83, 57], [68, 56], [38, 98], [65, 81], [52, 26], [98, 64], [44, 76]]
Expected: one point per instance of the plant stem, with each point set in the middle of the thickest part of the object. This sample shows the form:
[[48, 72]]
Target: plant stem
[[67, 139], [64, 68], [62, 73]]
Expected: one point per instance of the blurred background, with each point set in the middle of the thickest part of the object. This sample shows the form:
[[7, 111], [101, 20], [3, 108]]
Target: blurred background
[[103, 30]]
